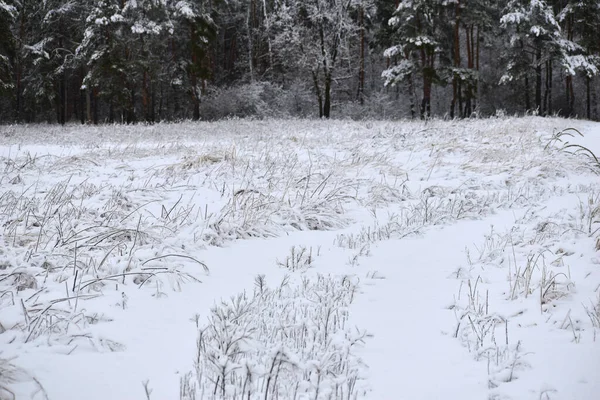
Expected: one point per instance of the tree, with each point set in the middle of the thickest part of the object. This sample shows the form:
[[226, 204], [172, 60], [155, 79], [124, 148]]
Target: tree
[[52, 55], [536, 44], [581, 21], [150, 60], [320, 32], [471, 19], [365, 11], [106, 55], [151, 27], [198, 31], [8, 46], [417, 25]]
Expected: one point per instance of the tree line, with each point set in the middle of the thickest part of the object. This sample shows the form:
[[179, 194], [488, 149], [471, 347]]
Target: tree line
[[132, 61]]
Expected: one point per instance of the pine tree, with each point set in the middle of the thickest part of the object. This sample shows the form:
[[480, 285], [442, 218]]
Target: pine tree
[[581, 23], [196, 30], [418, 33], [51, 54], [151, 27], [107, 57], [536, 45], [8, 46], [471, 20]]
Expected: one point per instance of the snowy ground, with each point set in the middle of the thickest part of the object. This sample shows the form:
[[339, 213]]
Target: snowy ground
[[301, 260]]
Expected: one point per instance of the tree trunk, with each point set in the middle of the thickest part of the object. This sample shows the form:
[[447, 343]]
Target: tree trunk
[[588, 97], [95, 103], [361, 70], [327, 103], [527, 96], [250, 44], [455, 77], [550, 77], [131, 110], [19, 70], [268, 33], [426, 102], [82, 103], [196, 116], [193, 77], [61, 100], [88, 105], [315, 76], [427, 60], [145, 96], [470, 45], [475, 94], [161, 101], [571, 97], [460, 100], [538, 80], [411, 95], [594, 101], [57, 101], [68, 112], [111, 111], [546, 90], [152, 103]]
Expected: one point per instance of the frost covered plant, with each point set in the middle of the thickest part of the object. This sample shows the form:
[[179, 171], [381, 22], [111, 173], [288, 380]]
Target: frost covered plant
[[300, 258], [536, 275], [12, 375], [593, 311], [135, 209], [370, 234], [589, 213], [437, 205], [314, 201], [292, 341], [560, 140], [485, 334], [69, 242], [9, 374]]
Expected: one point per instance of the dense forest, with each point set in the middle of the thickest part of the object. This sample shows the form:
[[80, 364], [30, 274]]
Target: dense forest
[[97, 61]]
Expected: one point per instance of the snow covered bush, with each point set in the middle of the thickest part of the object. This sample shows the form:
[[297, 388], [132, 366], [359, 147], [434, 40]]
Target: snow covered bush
[[291, 341]]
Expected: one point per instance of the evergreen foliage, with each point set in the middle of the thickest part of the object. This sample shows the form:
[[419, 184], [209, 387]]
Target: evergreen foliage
[[128, 61]]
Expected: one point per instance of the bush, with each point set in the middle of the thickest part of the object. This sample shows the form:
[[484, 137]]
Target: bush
[[258, 100]]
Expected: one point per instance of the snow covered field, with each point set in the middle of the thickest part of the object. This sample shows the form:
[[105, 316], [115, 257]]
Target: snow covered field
[[301, 260]]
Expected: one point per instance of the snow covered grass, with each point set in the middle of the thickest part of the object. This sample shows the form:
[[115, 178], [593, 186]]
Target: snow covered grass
[[286, 221], [291, 342]]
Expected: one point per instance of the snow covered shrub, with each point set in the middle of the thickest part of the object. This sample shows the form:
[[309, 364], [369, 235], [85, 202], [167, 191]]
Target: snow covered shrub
[[300, 258], [377, 106], [238, 101], [291, 341], [256, 100]]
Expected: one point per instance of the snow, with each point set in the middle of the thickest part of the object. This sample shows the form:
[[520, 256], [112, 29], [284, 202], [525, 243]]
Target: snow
[[398, 72], [185, 9], [117, 18], [101, 21], [305, 259], [7, 8]]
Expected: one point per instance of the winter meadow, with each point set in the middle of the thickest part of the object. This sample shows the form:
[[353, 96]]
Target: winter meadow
[[299, 200], [301, 259]]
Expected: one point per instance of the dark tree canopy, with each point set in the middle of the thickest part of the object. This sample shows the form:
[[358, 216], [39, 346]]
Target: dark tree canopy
[[127, 61]]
